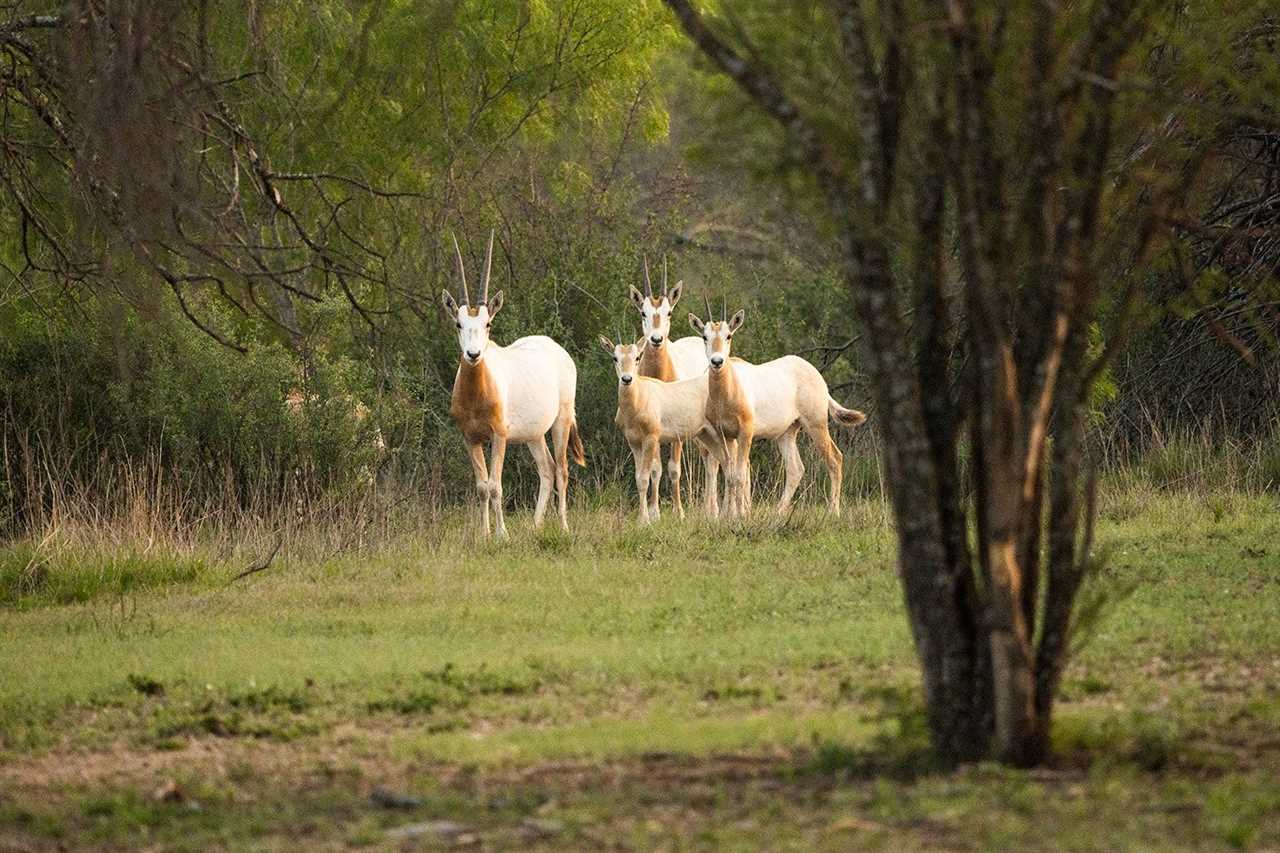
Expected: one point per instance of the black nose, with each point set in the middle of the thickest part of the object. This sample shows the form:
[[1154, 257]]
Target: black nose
[[473, 354], [626, 380], [717, 360], [657, 339]]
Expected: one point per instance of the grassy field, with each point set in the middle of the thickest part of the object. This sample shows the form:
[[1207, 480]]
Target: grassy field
[[683, 686]]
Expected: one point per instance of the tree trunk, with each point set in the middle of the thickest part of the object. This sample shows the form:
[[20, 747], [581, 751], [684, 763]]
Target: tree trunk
[[973, 613], [937, 579]]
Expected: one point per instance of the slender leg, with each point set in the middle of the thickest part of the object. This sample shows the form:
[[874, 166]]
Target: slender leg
[[560, 449], [497, 454], [732, 479], [673, 470], [653, 461], [724, 455], [795, 467], [710, 453], [546, 476], [835, 463], [482, 484], [642, 480], [714, 463], [711, 484], [744, 470]]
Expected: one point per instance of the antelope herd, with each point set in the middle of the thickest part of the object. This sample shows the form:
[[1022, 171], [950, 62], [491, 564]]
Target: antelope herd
[[669, 392]]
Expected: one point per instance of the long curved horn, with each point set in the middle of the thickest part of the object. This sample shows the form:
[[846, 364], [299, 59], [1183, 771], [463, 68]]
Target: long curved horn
[[664, 275], [707, 300], [648, 285], [724, 308], [488, 267], [466, 298]]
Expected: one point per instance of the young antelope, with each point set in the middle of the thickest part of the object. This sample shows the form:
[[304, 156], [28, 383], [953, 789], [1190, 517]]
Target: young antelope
[[670, 361], [774, 400], [652, 413]]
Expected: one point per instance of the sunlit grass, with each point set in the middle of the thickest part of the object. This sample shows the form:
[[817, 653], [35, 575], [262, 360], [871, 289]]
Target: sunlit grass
[[781, 638]]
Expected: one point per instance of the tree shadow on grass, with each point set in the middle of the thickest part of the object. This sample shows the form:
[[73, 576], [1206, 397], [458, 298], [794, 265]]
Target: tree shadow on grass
[[899, 750]]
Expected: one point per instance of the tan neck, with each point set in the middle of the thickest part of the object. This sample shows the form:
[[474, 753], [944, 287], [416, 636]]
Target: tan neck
[[630, 397], [722, 384], [657, 362], [474, 382]]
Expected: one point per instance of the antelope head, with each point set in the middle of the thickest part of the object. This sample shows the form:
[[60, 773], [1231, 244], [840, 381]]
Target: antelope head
[[626, 358], [473, 321], [717, 334], [655, 310]]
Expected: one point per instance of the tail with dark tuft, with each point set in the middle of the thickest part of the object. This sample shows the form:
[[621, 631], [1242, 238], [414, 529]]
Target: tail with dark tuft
[[843, 416], [575, 445]]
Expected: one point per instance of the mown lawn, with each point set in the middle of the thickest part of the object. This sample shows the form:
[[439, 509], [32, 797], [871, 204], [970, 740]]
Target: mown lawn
[[683, 686]]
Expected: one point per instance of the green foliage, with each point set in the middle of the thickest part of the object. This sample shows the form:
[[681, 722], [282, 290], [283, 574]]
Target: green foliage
[[30, 577]]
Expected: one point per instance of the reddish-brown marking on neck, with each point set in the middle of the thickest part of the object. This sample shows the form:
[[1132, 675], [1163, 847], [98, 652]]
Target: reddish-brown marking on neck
[[475, 406], [633, 417], [726, 404], [657, 363]]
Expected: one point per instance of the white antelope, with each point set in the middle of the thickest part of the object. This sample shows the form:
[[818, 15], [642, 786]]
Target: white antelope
[[511, 394], [651, 413], [774, 400], [672, 361]]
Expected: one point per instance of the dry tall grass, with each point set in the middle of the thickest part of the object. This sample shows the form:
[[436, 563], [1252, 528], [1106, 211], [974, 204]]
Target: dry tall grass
[[60, 508]]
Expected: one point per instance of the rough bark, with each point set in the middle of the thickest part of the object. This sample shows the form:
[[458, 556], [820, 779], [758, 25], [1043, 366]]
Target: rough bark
[[1026, 252]]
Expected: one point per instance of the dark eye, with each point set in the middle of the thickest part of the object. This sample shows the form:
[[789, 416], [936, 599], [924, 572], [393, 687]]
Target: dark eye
[[488, 326], [728, 337], [459, 325]]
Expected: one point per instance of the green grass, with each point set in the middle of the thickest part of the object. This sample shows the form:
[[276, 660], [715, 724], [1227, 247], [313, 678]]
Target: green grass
[[731, 686], [31, 578]]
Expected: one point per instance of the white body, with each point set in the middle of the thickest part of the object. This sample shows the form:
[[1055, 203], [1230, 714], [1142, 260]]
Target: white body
[[689, 357], [512, 393], [774, 400], [782, 393], [537, 382]]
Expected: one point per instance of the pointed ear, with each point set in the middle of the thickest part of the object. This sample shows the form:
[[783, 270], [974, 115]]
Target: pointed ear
[[676, 293], [495, 305], [736, 320], [450, 307], [607, 344], [695, 322], [640, 345], [637, 297]]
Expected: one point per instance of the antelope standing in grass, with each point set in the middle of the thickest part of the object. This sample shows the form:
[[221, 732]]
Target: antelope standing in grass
[[511, 394], [651, 413], [672, 361], [774, 400]]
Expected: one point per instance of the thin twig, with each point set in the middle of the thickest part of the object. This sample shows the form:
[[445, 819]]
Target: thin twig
[[262, 564]]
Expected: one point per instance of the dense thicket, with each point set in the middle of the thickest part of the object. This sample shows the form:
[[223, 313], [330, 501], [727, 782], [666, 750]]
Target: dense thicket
[[282, 221], [206, 207]]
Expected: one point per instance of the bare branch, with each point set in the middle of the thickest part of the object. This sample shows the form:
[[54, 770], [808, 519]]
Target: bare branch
[[262, 564], [760, 85]]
